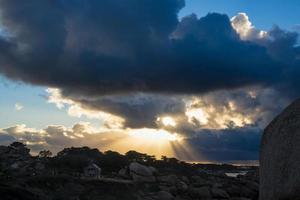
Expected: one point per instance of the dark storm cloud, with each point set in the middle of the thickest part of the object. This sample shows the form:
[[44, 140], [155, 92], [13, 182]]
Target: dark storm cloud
[[124, 46], [138, 110], [101, 46], [227, 145], [6, 139], [283, 46]]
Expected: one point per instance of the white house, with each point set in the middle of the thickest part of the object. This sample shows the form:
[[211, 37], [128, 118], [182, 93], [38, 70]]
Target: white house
[[92, 171]]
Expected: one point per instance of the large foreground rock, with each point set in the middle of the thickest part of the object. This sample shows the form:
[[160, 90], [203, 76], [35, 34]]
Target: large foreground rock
[[280, 156]]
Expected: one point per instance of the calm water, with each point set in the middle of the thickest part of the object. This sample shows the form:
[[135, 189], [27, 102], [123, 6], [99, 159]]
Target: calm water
[[236, 174]]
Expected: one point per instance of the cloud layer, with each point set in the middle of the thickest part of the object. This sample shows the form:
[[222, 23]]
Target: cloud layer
[[205, 145], [221, 109], [132, 63], [116, 47]]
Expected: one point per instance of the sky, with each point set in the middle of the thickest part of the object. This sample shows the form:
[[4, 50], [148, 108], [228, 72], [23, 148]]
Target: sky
[[198, 80], [263, 14]]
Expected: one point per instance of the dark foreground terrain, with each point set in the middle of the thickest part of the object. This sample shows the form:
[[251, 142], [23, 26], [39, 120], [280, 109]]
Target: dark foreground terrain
[[74, 174]]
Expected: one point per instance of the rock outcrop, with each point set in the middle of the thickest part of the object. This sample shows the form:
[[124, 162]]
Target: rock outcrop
[[141, 173], [280, 156], [23, 176]]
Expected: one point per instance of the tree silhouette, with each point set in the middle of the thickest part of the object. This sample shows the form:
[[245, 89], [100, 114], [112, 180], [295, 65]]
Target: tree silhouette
[[45, 154], [134, 156]]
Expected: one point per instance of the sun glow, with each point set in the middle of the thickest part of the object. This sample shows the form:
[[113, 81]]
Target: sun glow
[[154, 135], [167, 121], [198, 114], [156, 142]]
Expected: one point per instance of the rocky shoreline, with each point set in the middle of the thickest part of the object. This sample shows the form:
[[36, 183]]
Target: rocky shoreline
[[27, 177]]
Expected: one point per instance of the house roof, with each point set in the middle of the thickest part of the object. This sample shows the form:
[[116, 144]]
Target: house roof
[[93, 165]]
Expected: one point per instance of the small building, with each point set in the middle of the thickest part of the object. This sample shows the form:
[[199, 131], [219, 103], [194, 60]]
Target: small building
[[92, 171]]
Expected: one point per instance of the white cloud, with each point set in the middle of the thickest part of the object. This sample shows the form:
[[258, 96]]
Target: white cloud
[[56, 98], [245, 29], [75, 109], [57, 137], [18, 106], [242, 107], [206, 112], [215, 110]]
